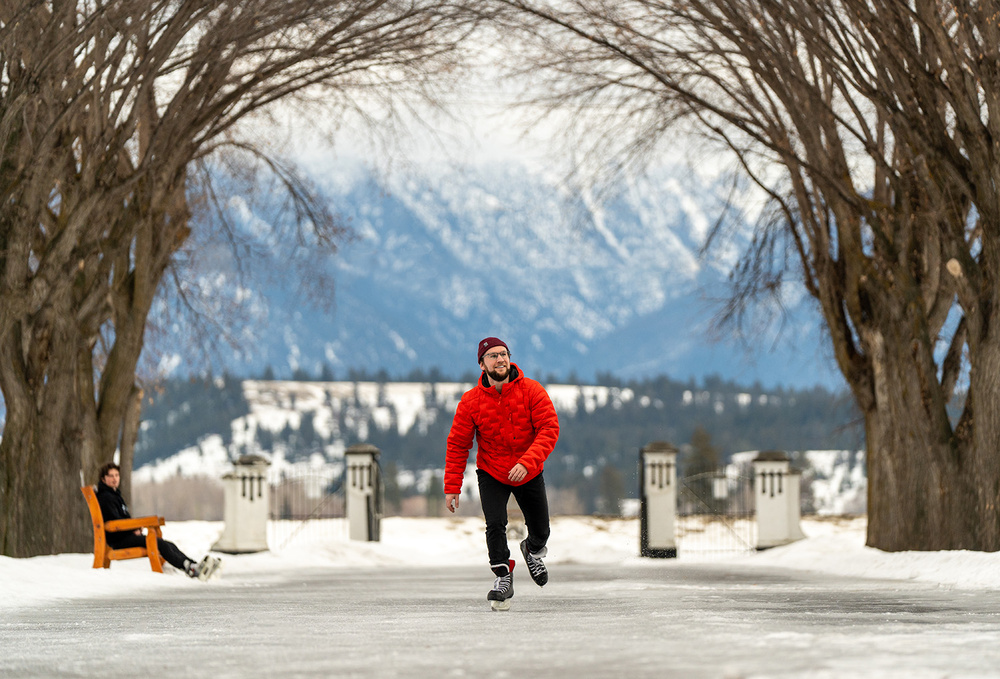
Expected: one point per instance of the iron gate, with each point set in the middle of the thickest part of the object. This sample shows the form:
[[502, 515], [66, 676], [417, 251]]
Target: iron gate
[[715, 514], [311, 502]]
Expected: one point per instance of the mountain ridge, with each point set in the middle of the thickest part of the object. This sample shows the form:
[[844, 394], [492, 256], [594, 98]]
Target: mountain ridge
[[576, 287]]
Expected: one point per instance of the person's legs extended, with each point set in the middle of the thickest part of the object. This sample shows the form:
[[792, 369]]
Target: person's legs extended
[[168, 550], [174, 556]]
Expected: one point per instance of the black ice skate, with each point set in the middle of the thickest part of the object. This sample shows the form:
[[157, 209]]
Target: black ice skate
[[536, 569], [503, 588]]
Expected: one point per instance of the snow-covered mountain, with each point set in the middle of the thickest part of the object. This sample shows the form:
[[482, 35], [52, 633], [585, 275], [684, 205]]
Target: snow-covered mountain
[[576, 286]]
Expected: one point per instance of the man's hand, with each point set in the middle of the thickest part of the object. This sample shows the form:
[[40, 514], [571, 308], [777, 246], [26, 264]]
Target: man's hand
[[517, 473], [451, 501]]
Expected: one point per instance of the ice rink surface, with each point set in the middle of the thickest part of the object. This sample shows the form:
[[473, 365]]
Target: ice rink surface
[[414, 605], [663, 618]]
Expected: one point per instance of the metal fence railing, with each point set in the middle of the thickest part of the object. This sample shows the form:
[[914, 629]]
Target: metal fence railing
[[305, 504], [715, 514]]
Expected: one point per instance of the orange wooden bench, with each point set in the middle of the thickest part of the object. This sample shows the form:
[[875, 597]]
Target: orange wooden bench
[[103, 554]]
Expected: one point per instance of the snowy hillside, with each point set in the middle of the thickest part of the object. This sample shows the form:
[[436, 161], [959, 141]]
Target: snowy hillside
[[341, 412]]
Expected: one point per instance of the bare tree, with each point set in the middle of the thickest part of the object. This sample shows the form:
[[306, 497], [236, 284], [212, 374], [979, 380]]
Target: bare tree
[[105, 108], [872, 126]]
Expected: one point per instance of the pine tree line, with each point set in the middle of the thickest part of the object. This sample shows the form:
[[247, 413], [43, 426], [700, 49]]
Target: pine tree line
[[597, 454]]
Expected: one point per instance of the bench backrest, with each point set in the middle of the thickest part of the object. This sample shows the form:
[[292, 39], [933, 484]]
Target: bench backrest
[[95, 509]]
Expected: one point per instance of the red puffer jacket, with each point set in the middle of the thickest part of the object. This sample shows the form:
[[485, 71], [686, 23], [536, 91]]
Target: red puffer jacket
[[517, 424]]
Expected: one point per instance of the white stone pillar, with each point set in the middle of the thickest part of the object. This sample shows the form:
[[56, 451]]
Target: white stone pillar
[[247, 507], [658, 500], [776, 495], [363, 485]]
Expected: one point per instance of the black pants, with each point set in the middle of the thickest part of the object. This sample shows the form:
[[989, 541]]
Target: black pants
[[168, 550], [534, 505]]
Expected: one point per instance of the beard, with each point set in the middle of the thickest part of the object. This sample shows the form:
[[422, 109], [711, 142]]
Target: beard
[[499, 376]]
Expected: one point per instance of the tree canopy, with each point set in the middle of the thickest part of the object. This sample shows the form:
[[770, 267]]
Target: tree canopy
[[106, 110], [871, 128]]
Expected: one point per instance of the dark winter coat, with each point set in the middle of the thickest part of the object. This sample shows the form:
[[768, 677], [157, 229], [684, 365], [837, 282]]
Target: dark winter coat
[[517, 424], [113, 507]]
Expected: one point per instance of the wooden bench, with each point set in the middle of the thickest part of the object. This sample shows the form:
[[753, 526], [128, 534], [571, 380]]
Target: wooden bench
[[103, 554]]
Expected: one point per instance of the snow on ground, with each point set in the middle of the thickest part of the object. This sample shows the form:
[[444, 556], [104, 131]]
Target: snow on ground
[[834, 546]]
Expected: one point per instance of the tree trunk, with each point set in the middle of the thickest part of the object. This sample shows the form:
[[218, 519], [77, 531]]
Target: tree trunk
[[55, 519], [42, 509], [981, 467], [928, 489], [911, 488], [46, 451], [130, 434]]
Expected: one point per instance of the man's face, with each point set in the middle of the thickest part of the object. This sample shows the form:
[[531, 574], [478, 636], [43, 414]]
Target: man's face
[[496, 363], [112, 479]]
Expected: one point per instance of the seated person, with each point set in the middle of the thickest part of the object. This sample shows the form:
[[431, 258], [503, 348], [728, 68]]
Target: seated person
[[113, 507]]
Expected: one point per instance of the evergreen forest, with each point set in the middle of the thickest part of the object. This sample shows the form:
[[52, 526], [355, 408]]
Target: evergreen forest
[[598, 449]]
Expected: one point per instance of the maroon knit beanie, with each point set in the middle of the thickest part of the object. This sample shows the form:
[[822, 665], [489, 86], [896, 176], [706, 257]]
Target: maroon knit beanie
[[488, 343]]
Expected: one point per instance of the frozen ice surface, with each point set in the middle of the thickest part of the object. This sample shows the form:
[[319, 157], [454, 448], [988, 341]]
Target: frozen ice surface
[[414, 605]]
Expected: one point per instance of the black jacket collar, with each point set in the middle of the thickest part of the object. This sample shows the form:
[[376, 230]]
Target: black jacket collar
[[105, 488], [514, 374]]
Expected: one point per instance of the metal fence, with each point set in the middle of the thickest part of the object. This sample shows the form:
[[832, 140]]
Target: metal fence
[[302, 505], [715, 514]]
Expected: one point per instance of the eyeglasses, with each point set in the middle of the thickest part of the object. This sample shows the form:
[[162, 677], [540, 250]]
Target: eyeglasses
[[497, 355]]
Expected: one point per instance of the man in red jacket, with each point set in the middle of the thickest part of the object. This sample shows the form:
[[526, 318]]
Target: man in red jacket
[[515, 428]]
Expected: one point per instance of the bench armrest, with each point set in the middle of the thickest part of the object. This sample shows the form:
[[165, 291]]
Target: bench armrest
[[134, 523]]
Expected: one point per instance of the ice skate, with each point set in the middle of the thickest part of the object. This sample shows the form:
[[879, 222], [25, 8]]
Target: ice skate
[[503, 589], [208, 568], [536, 569]]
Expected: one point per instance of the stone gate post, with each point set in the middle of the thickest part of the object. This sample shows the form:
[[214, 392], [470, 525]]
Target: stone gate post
[[657, 500], [247, 496], [776, 495], [363, 486]]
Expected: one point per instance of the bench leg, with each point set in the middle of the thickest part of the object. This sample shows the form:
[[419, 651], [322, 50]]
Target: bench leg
[[153, 552], [101, 559]]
